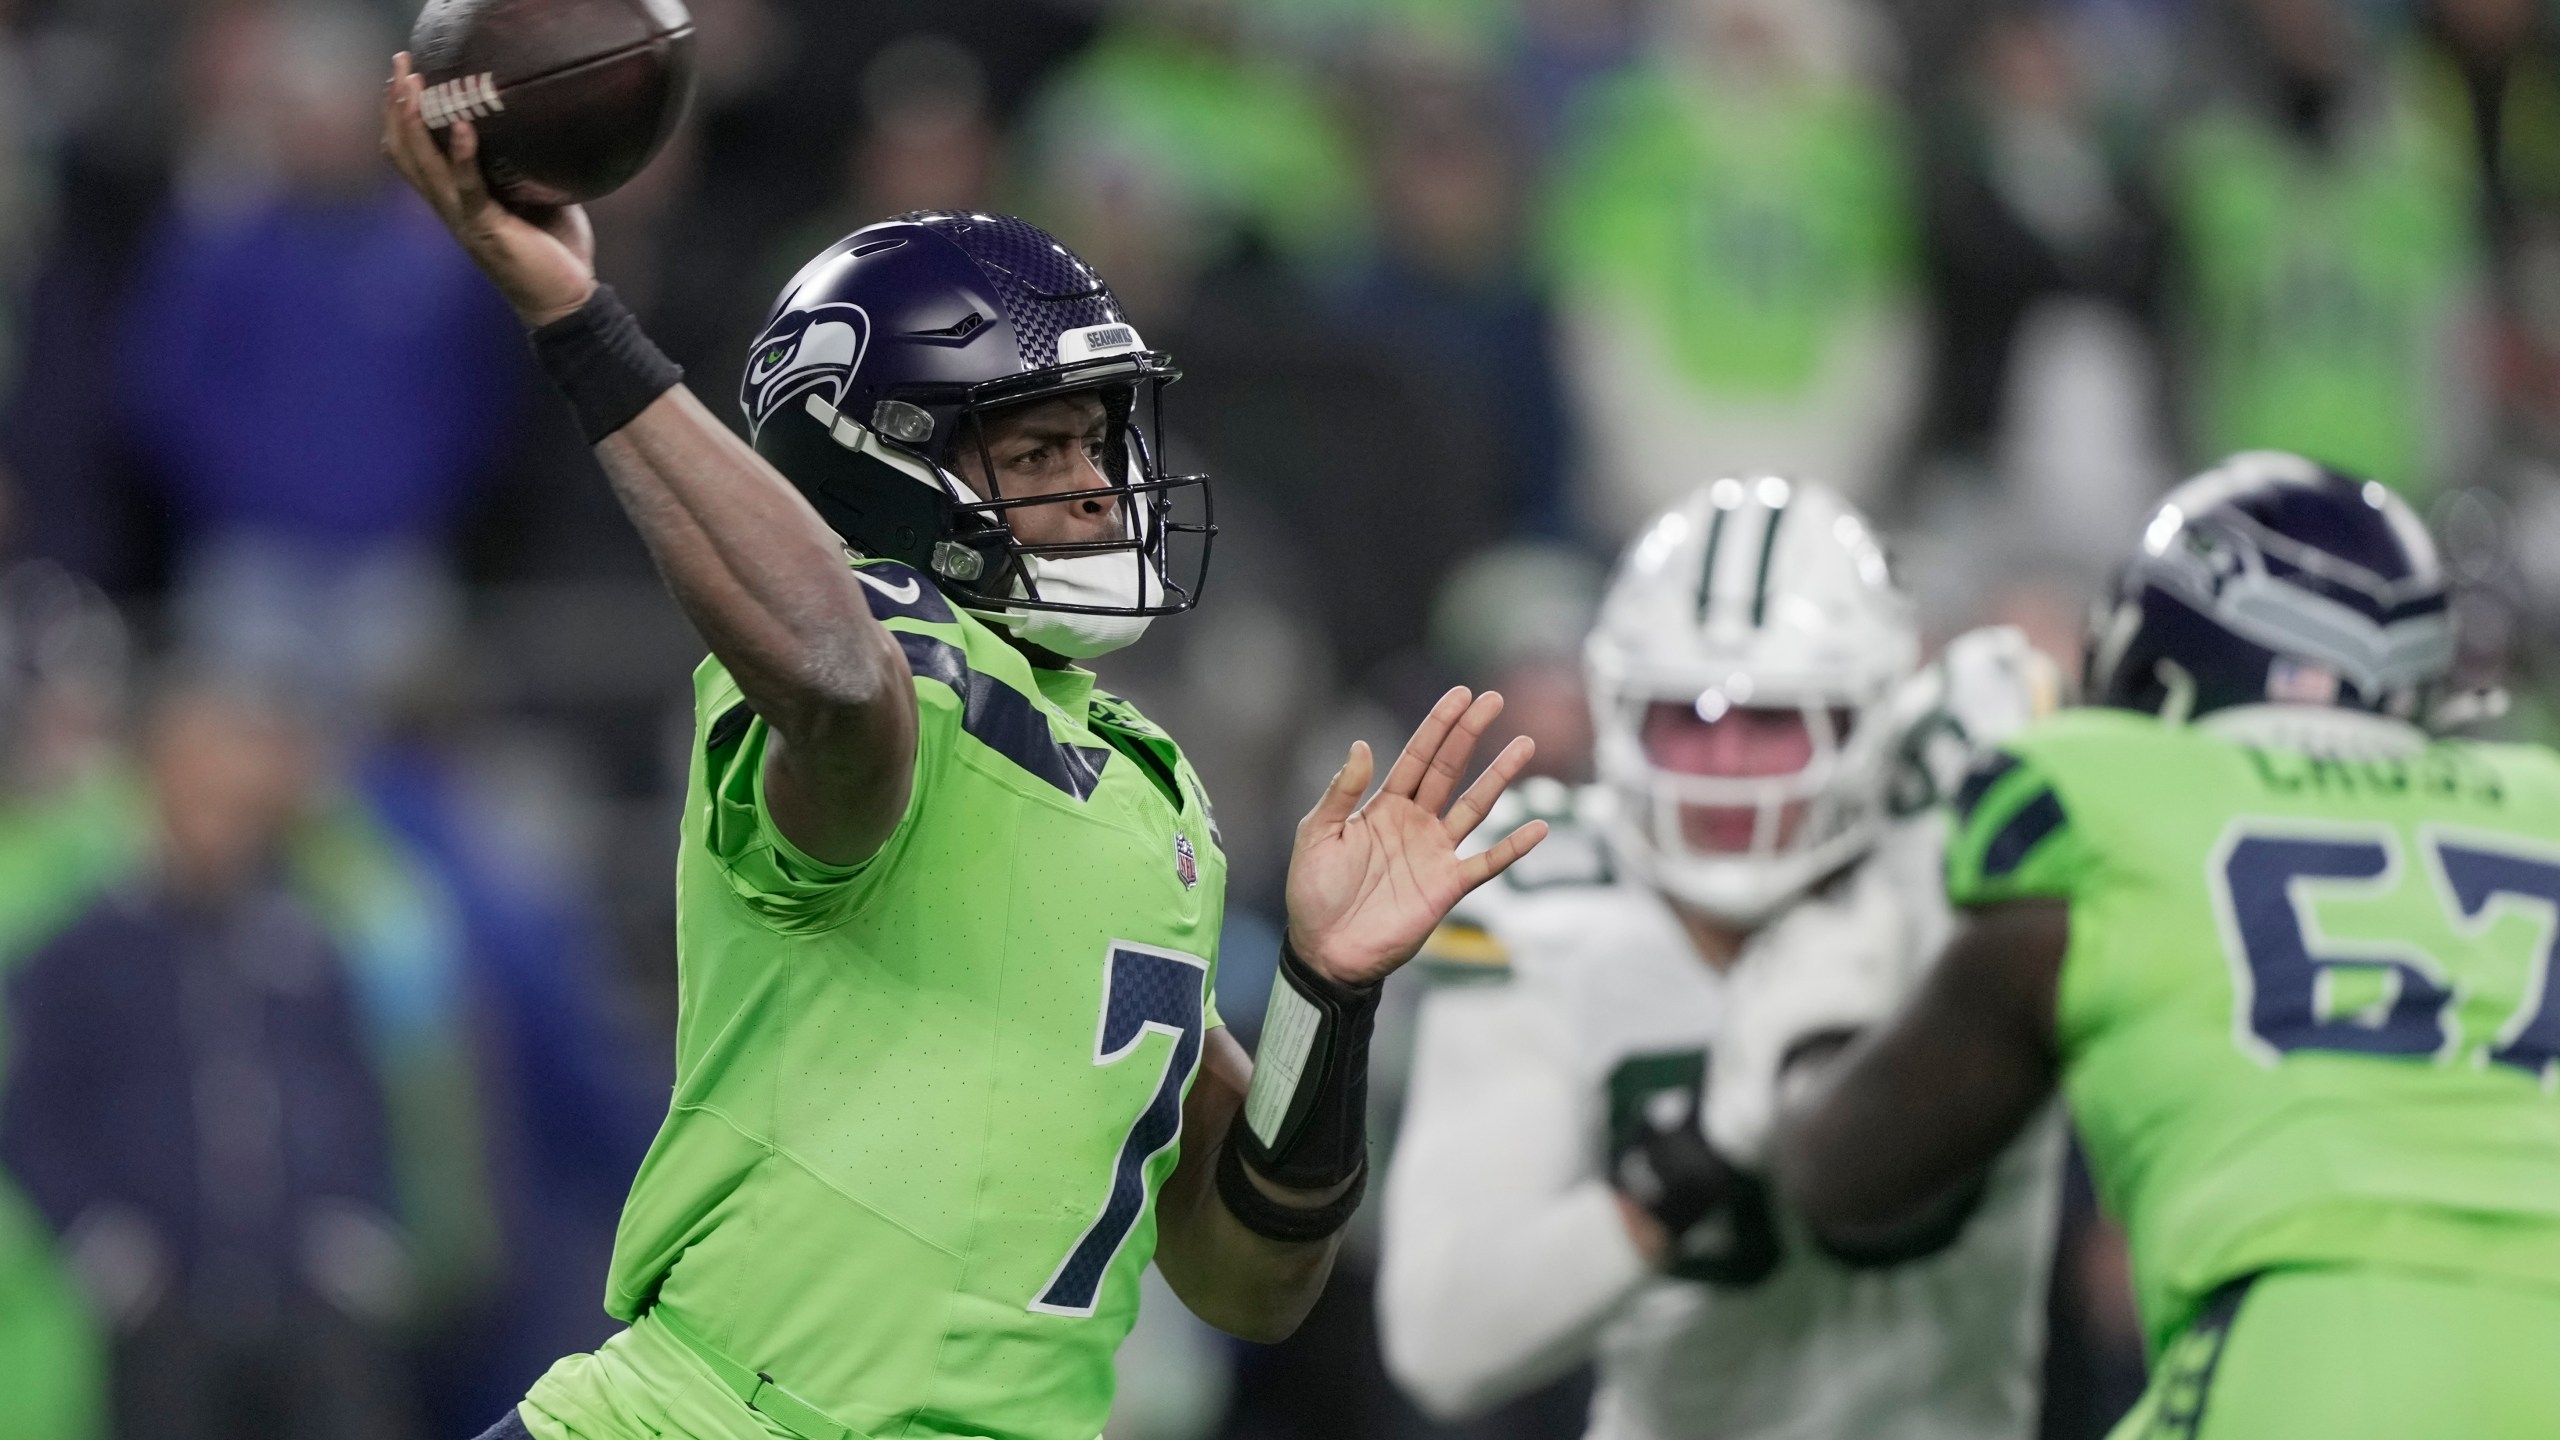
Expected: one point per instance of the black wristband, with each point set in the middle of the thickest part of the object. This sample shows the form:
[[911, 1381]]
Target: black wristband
[[1305, 1124], [1268, 1218], [601, 361]]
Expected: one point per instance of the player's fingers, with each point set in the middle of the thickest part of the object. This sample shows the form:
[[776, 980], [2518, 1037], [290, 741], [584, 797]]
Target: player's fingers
[[1341, 797], [467, 180], [1477, 869], [1415, 762], [1471, 808], [398, 112], [413, 150], [1449, 764], [401, 126], [391, 108]]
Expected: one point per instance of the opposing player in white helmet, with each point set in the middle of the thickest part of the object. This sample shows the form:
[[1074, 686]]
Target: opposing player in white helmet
[[1753, 881]]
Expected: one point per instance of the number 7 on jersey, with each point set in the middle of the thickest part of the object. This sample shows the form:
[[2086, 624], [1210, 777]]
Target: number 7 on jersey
[[1143, 989]]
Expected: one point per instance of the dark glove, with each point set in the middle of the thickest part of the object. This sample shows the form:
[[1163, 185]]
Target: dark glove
[[1717, 1215]]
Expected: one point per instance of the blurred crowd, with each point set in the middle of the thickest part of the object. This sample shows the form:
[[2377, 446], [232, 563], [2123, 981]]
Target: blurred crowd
[[343, 722]]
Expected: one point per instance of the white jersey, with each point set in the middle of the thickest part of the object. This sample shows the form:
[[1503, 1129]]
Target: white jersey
[[1507, 1260]]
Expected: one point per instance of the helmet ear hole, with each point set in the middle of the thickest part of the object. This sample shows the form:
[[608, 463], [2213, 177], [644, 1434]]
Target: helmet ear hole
[[907, 424]]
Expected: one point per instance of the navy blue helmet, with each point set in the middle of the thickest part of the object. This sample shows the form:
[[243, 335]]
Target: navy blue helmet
[[2273, 579], [880, 361]]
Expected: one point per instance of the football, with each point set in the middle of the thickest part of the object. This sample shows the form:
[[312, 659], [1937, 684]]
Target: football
[[571, 97]]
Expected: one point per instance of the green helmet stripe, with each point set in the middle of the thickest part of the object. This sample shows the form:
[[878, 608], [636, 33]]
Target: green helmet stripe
[[1768, 551], [1707, 574]]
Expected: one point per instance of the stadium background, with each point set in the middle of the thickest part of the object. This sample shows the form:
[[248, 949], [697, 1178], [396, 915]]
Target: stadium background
[[1463, 286]]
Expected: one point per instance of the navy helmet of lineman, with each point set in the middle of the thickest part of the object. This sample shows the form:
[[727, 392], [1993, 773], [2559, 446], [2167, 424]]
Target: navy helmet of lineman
[[871, 387], [2274, 578], [1746, 657]]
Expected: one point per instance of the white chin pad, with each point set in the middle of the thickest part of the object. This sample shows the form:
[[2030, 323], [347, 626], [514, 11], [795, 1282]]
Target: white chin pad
[[1077, 637], [1100, 580]]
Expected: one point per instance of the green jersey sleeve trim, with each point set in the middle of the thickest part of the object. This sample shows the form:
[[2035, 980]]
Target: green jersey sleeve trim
[[2013, 837]]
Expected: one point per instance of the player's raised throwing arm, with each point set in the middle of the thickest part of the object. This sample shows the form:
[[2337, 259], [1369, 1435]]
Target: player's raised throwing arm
[[761, 576], [1274, 1161]]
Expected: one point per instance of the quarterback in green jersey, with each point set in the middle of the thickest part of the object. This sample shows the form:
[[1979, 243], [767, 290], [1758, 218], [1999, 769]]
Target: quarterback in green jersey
[[948, 1072], [2289, 954]]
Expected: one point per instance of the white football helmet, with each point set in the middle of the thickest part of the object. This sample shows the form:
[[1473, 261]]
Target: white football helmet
[[1751, 594]]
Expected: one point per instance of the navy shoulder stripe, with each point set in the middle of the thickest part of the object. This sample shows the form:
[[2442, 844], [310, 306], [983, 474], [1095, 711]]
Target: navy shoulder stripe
[[2024, 831], [1978, 782], [1004, 720]]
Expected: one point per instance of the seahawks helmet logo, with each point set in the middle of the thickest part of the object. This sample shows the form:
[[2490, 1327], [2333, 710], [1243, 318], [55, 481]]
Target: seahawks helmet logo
[[816, 349]]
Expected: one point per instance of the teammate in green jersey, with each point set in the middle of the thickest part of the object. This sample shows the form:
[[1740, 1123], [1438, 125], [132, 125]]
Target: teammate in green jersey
[[70, 824], [2289, 957], [947, 914]]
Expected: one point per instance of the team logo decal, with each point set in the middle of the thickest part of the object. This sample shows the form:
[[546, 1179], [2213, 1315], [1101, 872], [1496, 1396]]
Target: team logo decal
[[816, 349], [1186, 861]]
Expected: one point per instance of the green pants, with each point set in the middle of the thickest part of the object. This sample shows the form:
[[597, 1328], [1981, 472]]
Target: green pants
[[2337, 1354]]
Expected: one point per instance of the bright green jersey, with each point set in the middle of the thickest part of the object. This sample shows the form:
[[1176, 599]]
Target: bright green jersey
[[1244, 141], [56, 855], [2308, 1014], [1752, 227], [923, 1104], [2325, 285]]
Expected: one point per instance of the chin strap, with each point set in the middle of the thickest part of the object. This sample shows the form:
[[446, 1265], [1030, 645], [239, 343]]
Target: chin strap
[[2177, 691]]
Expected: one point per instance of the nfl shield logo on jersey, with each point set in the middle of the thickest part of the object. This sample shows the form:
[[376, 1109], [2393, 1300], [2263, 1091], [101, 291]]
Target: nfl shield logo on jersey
[[1186, 861]]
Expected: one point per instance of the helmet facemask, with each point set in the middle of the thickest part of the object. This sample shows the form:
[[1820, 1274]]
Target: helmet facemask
[[1738, 841], [1076, 598], [902, 342], [1765, 606]]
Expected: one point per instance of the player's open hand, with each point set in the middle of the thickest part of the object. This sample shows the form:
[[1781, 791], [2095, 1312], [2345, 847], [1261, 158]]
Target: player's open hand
[[1367, 883], [542, 261]]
